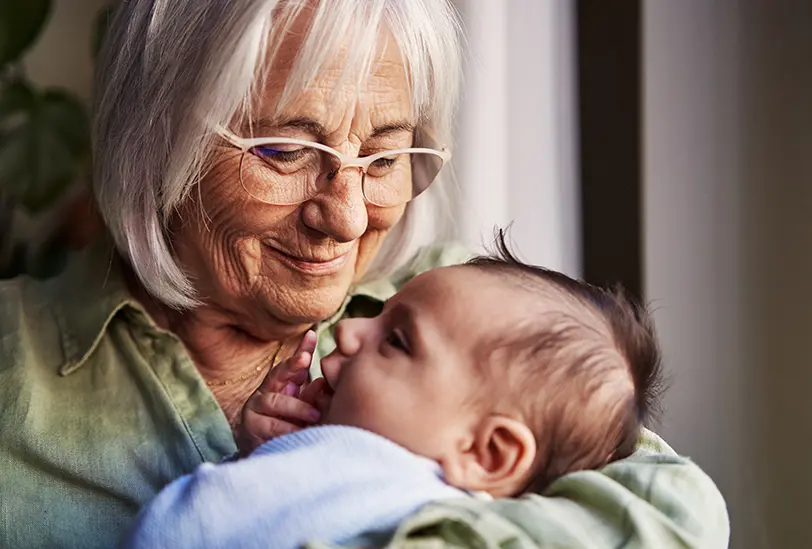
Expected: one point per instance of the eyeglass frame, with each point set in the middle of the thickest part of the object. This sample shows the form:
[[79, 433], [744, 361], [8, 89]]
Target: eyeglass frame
[[245, 144]]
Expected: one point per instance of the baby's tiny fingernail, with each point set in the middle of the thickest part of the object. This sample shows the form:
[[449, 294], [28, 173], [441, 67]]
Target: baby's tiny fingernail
[[290, 389], [314, 415], [299, 377]]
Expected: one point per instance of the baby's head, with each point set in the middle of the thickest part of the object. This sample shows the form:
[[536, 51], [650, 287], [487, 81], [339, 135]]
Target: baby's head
[[506, 374]]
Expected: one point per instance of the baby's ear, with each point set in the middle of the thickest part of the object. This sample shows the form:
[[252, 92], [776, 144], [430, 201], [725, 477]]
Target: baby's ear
[[497, 459]]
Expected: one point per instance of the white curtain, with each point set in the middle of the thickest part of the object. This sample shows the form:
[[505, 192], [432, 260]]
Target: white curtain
[[516, 148]]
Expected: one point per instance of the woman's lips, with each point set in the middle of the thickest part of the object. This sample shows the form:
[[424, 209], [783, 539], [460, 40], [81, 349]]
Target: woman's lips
[[311, 265]]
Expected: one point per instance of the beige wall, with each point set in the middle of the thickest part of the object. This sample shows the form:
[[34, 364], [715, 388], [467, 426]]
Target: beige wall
[[62, 57], [728, 244], [777, 169]]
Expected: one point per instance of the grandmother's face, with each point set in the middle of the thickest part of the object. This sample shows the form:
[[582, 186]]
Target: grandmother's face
[[297, 263]]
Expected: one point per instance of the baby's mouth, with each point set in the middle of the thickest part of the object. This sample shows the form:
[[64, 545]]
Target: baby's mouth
[[323, 404], [330, 371]]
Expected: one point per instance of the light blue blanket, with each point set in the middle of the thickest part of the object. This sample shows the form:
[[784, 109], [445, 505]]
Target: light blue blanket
[[323, 483]]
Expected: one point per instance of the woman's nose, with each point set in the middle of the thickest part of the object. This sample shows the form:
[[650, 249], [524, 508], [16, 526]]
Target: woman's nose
[[339, 210]]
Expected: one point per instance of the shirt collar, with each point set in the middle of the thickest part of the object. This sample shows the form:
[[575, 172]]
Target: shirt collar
[[87, 295], [91, 291]]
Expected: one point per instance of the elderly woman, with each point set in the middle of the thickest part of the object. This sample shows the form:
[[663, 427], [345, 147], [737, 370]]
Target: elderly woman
[[262, 167]]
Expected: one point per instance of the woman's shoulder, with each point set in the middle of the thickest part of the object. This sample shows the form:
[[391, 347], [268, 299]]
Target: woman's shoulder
[[379, 289], [45, 322], [28, 324], [432, 257]]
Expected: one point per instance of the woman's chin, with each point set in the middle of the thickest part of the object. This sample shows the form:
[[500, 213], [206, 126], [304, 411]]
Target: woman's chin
[[307, 306]]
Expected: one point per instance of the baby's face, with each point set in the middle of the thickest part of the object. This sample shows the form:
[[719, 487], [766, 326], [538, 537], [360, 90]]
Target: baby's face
[[409, 373]]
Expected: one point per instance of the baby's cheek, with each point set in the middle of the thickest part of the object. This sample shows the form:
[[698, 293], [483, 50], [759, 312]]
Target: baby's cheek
[[348, 403], [362, 399]]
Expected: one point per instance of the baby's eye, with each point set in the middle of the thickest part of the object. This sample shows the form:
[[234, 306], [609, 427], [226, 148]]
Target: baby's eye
[[396, 339]]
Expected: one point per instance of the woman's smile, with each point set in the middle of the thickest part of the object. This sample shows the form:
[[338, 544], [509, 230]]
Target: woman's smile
[[315, 264]]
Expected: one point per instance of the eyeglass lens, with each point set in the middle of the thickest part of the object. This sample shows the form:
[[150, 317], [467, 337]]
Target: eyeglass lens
[[286, 174]]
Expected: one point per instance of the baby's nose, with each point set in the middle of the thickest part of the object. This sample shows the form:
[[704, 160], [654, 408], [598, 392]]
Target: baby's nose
[[348, 334]]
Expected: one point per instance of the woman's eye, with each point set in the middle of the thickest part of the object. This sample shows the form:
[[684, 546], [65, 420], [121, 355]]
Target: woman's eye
[[396, 339], [385, 162], [382, 166], [279, 154]]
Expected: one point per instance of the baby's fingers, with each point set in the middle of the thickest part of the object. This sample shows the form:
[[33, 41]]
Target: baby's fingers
[[308, 343], [293, 370], [281, 405], [318, 394], [258, 429]]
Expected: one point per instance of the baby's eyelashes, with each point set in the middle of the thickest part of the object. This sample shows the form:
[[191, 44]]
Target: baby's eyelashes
[[397, 339]]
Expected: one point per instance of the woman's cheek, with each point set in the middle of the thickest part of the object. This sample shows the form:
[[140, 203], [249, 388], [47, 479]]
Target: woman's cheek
[[384, 218], [381, 220]]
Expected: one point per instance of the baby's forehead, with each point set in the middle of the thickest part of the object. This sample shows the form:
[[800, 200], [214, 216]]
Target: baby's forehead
[[473, 283], [469, 297], [466, 283], [494, 299]]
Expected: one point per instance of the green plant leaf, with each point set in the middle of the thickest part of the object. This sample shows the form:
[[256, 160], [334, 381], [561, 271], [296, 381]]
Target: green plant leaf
[[14, 98], [44, 141], [21, 22]]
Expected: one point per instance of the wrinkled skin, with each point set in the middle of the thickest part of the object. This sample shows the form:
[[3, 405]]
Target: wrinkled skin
[[264, 272]]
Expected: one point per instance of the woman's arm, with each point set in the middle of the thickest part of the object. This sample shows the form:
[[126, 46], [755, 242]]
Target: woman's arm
[[654, 499]]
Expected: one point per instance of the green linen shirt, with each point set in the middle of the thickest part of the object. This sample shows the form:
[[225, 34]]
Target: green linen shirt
[[101, 409]]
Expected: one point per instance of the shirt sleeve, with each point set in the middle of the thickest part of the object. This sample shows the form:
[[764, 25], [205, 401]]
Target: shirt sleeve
[[648, 500]]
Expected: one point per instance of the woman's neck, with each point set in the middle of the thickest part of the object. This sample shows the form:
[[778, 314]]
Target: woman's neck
[[226, 354]]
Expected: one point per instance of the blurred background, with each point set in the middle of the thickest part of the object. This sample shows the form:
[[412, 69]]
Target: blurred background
[[663, 144]]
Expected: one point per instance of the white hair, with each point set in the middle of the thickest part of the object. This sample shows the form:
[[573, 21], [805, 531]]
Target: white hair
[[173, 71]]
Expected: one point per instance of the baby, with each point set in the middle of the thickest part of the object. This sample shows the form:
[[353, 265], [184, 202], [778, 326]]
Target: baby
[[492, 377]]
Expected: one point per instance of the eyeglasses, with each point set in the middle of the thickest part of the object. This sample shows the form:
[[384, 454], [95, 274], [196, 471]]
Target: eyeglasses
[[292, 171]]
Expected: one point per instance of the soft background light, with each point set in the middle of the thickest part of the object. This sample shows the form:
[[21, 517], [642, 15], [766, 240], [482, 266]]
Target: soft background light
[[516, 156]]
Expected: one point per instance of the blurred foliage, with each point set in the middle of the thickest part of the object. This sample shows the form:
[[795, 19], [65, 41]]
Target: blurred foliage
[[44, 138], [44, 143], [21, 22]]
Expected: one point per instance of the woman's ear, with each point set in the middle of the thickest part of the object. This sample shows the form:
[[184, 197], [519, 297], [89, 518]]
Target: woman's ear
[[498, 458]]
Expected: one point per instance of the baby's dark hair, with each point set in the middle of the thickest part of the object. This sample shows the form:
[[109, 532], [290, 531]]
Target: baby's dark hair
[[586, 373]]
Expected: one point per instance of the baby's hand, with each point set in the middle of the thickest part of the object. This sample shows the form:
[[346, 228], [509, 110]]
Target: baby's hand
[[280, 406]]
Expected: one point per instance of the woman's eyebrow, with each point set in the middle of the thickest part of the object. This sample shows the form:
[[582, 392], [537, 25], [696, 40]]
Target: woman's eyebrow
[[317, 129], [303, 123], [393, 127]]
